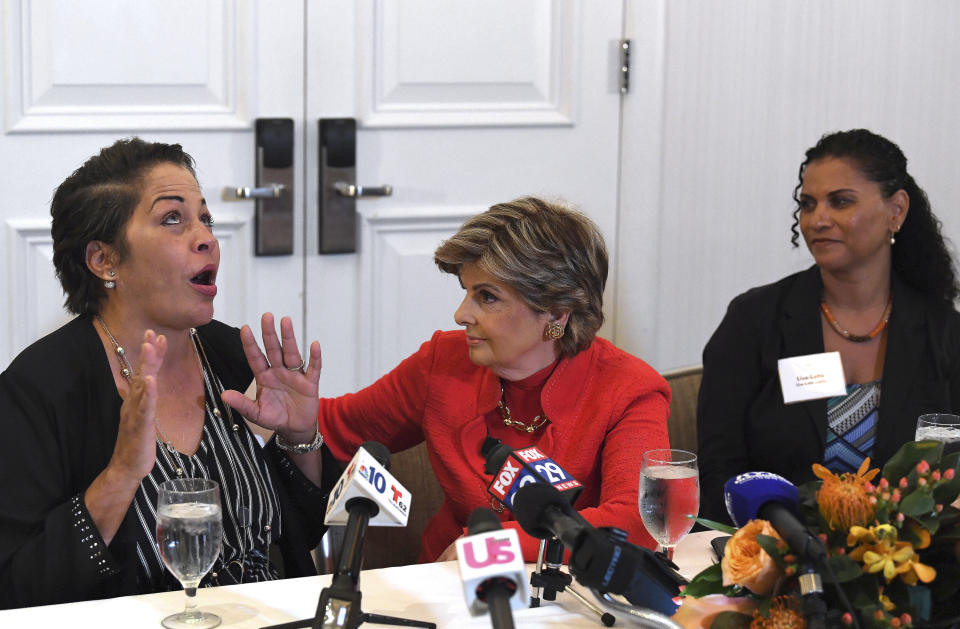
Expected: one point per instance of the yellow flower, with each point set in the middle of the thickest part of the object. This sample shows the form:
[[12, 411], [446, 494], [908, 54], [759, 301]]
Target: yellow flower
[[844, 500], [880, 551], [886, 602]]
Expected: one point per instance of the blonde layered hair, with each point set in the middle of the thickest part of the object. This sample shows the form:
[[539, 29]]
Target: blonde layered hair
[[551, 254]]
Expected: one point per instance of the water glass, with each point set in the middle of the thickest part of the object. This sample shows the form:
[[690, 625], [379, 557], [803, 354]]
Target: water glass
[[669, 495], [940, 427], [189, 535]]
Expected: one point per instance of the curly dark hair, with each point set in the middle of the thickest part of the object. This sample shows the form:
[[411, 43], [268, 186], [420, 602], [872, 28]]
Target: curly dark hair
[[552, 255], [920, 257], [95, 203]]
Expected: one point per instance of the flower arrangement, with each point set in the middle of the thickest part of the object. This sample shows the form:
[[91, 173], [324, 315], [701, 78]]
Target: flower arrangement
[[893, 544]]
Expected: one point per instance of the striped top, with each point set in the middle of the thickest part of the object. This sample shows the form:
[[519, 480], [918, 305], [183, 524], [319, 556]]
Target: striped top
[[230, 455], [852, 427]]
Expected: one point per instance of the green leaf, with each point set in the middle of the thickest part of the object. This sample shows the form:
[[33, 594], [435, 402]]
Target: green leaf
[[716, 526], [907, 457], [845, 568], [769, 545], [708, 581], [917, 503], [731, 620], [920, 600]]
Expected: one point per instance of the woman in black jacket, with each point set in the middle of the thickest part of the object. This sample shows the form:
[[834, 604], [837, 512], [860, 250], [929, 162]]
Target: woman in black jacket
[[130, 393], [881, 294]]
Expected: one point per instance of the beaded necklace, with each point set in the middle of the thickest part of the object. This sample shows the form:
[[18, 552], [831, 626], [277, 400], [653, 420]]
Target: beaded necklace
[[856, 338]]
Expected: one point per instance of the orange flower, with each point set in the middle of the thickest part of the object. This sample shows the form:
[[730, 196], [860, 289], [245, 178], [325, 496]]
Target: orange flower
[[782, 615], [844, 500], [746, 563]]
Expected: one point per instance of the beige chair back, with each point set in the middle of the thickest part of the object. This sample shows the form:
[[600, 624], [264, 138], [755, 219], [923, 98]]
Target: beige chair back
[[682, 425]]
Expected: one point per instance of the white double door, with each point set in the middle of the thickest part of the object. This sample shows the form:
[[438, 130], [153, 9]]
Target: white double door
[[459, 105]]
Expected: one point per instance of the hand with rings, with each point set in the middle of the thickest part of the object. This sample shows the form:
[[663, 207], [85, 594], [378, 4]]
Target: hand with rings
[[287, 397]]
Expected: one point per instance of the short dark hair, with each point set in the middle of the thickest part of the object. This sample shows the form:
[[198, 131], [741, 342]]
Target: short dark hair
[[552, 255], [920, 256], [95, 203]]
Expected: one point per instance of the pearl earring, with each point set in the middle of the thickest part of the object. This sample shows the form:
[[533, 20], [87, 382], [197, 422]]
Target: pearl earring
[[110, 283]]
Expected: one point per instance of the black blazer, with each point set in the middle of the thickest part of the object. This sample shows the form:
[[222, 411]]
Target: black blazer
[[59, 413], [742, 422]]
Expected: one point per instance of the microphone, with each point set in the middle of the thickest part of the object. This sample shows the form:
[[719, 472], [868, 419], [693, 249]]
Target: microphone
[[366, 494], [491, 568], [367, 477], [602, 560], [513, 469], [771, 497]]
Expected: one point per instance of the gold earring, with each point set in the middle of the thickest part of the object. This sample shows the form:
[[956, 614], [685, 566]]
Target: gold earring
[[554, 331]]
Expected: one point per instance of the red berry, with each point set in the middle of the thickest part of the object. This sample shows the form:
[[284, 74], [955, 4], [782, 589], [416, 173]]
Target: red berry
[[923, 467], [884, 483], [894, 622], [903, 483], [936, 475], [949, 474], [847, 619]]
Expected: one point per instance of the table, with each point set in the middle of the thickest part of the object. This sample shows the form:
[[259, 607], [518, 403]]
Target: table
[[423, 592]]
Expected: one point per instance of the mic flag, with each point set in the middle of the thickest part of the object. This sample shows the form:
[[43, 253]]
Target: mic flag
[[365, 477], [771, 497], [746, 493], [512, 469], [491, 564]]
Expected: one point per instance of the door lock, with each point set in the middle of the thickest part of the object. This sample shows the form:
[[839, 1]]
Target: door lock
[[273, 189], [338, 189]]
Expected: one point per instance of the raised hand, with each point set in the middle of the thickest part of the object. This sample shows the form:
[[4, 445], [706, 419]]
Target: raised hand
[[287, 384], [135, 451]]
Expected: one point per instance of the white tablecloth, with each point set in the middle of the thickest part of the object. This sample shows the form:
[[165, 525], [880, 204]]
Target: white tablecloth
[[423, 592]]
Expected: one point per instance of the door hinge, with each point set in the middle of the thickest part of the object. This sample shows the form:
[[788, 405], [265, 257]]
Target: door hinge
[[624, 70]]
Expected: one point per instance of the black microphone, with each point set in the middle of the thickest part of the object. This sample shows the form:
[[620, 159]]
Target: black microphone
[[491, 568], [339, 604], [602, 560]]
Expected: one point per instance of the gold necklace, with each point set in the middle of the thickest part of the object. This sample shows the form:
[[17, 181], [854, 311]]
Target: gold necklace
[[126, 370], [538, 422], [856, 338]]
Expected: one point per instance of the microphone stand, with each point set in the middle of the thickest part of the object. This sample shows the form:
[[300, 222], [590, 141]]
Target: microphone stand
[[339, 604], [550, 579], [811, 588]]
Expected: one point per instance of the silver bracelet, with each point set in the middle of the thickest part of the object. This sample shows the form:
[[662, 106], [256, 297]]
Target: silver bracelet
[[300, 448]]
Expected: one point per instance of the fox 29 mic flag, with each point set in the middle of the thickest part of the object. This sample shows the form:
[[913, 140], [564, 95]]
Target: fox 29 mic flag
[[366, 478], [528, 465], [488, 558]]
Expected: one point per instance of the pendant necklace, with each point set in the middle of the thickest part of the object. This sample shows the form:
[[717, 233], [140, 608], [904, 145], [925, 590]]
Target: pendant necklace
[[126, 370]]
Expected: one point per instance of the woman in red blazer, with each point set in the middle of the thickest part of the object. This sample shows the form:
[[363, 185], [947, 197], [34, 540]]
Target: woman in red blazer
[[527, 370]]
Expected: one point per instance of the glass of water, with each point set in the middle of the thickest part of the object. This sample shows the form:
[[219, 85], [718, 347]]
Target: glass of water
[[940, 427], [669, 495], [189, 534]]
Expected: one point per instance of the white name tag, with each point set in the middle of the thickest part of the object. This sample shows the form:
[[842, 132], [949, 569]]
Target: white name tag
[[811, 377]]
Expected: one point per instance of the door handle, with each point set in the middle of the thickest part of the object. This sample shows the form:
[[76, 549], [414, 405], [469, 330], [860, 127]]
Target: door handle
[[338, 189], [270, 191], [273, 188], [345, 189]]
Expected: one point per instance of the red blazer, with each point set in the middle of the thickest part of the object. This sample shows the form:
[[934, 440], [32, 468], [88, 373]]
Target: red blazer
[[605, 406]]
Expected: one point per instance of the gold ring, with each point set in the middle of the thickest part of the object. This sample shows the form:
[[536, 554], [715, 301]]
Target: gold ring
[[301, 367]]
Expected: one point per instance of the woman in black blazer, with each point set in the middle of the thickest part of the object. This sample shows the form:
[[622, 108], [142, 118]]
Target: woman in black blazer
[[881, 294]]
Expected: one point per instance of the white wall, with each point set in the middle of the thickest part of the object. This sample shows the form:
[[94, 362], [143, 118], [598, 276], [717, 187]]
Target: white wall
[[726, 98]]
